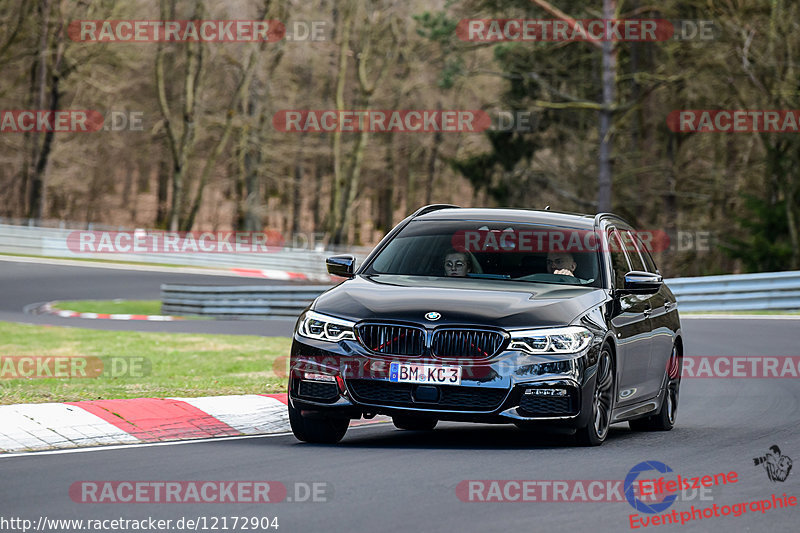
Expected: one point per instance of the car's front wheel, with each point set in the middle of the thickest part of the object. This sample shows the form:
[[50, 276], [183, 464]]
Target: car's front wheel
[[595, 432], [414, 423], [317, 429]]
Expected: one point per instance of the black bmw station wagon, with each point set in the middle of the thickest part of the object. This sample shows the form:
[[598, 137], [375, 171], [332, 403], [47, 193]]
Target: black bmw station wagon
[[536, 318]]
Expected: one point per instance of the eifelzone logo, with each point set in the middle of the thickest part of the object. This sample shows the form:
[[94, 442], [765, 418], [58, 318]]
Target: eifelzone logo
[[630, 495], [777, 466]]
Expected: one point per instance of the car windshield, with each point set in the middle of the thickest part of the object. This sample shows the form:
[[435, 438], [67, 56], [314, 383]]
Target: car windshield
[[511, 251]]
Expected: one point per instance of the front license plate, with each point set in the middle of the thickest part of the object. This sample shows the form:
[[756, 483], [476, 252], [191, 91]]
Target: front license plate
[[435, 374]]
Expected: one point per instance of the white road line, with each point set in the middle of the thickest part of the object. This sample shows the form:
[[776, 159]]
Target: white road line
[[741, 317], [120, 266]]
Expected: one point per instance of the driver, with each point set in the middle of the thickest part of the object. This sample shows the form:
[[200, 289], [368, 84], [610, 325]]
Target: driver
[[561, 263]]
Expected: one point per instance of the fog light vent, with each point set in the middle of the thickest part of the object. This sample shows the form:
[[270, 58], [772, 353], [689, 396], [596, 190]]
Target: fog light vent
[[318, 390]]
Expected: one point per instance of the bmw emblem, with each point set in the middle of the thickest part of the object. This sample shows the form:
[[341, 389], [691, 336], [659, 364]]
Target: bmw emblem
[[433, 315]]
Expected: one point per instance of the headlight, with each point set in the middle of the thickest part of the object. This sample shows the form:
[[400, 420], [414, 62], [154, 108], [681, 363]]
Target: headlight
[[571, 339], [326, 328]]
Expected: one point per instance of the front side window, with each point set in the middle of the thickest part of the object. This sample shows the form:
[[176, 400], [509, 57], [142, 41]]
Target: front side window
[[504, 251], [633, 254], [649, 263], [619, 262]]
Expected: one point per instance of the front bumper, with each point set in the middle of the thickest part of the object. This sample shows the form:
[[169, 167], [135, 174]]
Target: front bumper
[[328, 378]]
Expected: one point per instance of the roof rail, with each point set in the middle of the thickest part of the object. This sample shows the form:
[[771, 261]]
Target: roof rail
[[431, 208]]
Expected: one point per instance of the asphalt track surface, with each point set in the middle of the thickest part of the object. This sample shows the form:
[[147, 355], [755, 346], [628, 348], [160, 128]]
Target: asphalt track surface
[[22, 284], [382, 479]]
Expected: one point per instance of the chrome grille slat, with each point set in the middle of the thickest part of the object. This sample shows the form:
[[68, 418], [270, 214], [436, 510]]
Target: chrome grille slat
[[392, 339], [470, 343]]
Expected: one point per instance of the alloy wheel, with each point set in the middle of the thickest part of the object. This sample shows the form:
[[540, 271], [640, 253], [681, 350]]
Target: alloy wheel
[[603, 394]]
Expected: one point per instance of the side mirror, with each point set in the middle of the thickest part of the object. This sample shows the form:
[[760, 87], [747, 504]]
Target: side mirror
[[341, 265], [637, 282]]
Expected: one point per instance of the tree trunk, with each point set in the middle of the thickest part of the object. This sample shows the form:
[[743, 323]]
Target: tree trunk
[[297, 189], [180, 144], [385, 203], [432, 159], [335, 214], [316, 204], [609, 75], [41, 141], [162, 196]]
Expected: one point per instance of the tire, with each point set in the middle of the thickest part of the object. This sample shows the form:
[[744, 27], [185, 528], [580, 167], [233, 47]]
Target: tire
[[664, 420], [413, 423], [594, 433], [327, 430]]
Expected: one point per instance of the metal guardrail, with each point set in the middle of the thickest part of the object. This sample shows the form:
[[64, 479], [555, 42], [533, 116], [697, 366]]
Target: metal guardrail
[[52, 242], [739, 292], [250, 301], [772, 290]]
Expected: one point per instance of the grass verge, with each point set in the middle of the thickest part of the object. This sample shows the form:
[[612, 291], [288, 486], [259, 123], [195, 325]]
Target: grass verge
[[172, 364], [122, 307]]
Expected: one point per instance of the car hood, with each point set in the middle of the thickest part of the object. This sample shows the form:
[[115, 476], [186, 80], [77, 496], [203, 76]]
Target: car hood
[[459, 301]]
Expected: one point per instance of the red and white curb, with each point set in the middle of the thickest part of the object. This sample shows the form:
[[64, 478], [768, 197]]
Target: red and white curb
[[46, 426], [63, 313], [282, 275]]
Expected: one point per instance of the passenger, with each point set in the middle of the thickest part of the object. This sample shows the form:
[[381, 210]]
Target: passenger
[[457, 264], [561, 263]]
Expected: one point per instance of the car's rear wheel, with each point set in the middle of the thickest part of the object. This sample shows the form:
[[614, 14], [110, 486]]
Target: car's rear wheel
[[414, 423], [595, 432], [317, 429], [664, 420]]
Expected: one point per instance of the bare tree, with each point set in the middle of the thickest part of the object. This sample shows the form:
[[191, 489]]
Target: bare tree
[[373, 32], [180, 133]]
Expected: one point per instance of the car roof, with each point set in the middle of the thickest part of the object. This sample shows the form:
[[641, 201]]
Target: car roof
[[528, 216]]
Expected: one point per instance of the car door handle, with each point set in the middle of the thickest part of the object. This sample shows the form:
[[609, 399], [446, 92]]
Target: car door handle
[[648, 312], [669, 306]]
